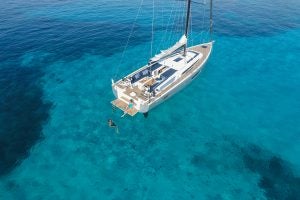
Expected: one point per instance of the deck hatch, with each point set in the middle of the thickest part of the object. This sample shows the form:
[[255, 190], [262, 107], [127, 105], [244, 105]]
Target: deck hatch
[[178, 59]]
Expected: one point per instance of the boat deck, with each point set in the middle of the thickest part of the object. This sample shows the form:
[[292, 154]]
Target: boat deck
[[135, 93], [205, 50]]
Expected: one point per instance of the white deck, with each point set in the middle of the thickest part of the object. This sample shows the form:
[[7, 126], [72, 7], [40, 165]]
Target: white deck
[[177, 65]]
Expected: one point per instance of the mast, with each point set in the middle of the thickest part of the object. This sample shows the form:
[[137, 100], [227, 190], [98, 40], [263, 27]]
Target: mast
[[187, 23], [210, 20]]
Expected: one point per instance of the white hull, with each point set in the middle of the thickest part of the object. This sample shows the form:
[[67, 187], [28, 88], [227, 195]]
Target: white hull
[[122, 93], [174, 90]]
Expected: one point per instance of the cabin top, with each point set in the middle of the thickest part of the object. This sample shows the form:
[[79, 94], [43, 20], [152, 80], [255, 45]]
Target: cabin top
[[179, 61]]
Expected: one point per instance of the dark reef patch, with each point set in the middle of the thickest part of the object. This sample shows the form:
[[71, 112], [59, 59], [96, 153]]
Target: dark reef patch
[[277, 178], [22, 114]]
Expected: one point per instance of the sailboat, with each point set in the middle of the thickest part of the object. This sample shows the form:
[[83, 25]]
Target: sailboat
[[164, 75]]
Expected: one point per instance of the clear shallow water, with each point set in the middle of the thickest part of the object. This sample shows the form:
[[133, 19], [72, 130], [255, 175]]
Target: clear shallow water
[[232, 134]]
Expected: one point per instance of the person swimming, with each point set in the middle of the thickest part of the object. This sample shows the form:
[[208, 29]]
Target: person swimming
[[112, 124]]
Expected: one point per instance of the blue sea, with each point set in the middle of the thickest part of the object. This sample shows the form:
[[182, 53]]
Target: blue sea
[[233, 133]]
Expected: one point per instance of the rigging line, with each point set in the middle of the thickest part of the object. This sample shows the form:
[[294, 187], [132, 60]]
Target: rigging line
[[141, 61], [167, 26], [170, 38], [180, 26], [203, 18], [177, 26], [151, 51], [144, 49], [183, 15], [176, 23], [161, 25], [160, 19], [200, 36], [180, 20], [191, 28], [171, 28], [206, 33], [163, 31], [128, 39]]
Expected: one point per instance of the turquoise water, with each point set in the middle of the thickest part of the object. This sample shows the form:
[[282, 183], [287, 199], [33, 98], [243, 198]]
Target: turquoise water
[[233, 133]]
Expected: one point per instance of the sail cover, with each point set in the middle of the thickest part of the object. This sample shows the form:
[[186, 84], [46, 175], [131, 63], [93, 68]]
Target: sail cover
[[169, 51]]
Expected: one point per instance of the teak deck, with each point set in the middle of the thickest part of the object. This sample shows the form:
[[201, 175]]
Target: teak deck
[[122, 105]]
